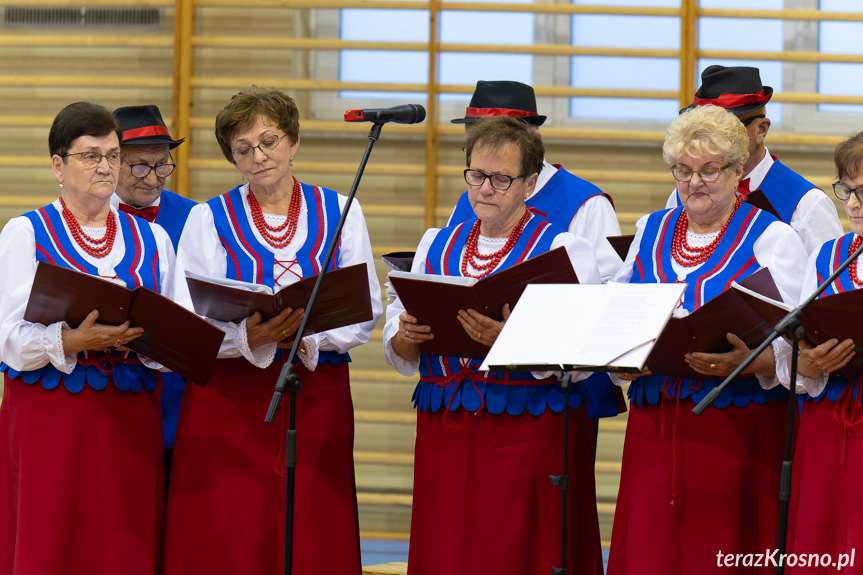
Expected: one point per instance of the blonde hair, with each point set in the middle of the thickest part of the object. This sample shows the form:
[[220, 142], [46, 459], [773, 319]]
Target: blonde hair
[[706, 130]]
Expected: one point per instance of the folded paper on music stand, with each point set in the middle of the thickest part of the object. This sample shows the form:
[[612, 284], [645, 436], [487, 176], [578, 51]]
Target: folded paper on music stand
[[610, 327]]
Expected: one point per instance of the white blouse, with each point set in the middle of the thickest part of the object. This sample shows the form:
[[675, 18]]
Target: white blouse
[[26, 346], [201, 251]]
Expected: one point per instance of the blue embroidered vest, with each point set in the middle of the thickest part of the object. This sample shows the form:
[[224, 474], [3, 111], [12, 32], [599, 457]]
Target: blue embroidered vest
[[139, 267], [450, 382], [251, 261], [173, 212], [784, 188], [557, 201], [733, 259], [830, 256]]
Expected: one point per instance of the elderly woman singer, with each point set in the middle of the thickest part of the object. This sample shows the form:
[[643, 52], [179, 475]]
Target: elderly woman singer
[[694, 486], [826, 492], [226, 505], [486, 442], [81, 480]]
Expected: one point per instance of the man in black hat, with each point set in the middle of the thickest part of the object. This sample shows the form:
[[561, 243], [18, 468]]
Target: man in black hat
[[147, 146], [797, 202], [562, 198]]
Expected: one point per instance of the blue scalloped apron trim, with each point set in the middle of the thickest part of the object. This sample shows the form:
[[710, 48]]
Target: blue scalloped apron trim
[[129, 374], [472, 395], [834, 388], [740, 393]]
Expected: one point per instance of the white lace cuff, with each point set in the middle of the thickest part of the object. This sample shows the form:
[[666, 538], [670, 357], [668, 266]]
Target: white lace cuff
[[53, 342], [262, 356], [308, 352]]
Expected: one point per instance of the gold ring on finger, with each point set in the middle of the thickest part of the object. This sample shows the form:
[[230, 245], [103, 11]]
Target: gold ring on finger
[[712, 366], [479, 335]]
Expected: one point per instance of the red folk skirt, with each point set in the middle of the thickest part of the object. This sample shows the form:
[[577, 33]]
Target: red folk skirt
[[694, 486], [81, 480], [827, 488], [482, 500], [226, 504]]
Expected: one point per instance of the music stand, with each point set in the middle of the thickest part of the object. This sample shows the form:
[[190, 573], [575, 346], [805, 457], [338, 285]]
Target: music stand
[[543, 319]]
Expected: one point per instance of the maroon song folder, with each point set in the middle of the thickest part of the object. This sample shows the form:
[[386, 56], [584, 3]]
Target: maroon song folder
[[173, 336], [733, 311], [344, 299], [437, 304]]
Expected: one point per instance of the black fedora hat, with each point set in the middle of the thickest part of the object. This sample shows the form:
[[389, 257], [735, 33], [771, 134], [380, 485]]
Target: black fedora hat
[[144, 126], [502, 98], [738, 89]]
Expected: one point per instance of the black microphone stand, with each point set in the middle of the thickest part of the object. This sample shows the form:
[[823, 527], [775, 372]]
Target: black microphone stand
[[290, 381], [562, 480], [791, 327]]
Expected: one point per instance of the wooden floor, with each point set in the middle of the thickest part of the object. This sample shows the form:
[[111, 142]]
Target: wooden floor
[[386, 569]]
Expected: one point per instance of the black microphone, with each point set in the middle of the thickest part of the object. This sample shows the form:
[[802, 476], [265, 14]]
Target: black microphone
[[404, 114]]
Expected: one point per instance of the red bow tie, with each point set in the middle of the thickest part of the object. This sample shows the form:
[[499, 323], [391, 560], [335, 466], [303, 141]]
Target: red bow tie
[[148, 214], [743, 187]]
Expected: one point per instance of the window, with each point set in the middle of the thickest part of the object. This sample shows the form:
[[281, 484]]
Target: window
[[600, 72], [399, 67]]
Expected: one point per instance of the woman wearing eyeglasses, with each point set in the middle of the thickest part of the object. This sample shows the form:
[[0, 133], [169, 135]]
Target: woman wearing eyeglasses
[[81, 480], [487, 442], [826, 484], [226, 505], [693, 486]]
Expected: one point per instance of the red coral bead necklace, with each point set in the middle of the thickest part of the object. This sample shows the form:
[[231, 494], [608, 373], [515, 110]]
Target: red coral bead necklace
[[852, 269], [278, 236], [689, 256], [486, 263], [96, 247]]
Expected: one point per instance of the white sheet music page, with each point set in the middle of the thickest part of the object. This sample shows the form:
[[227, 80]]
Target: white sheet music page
[[613, 326]]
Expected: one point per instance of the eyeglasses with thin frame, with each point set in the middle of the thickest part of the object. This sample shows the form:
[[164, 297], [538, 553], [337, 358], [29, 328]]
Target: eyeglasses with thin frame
[[707, 174], [748, 121], [162, 170], [843, 192], [90, 159], [267, 146], [500, 182]]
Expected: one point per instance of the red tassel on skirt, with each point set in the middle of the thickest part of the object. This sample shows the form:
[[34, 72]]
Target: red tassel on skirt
[[708, 484], [81, 480], [827, 497], [226, 504], [482, 500]]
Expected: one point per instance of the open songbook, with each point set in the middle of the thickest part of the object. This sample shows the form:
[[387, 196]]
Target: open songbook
[[611, 327], [344, 298], [749, 309], [173, 336], [436, 299], [834, 316], [626, 327]]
